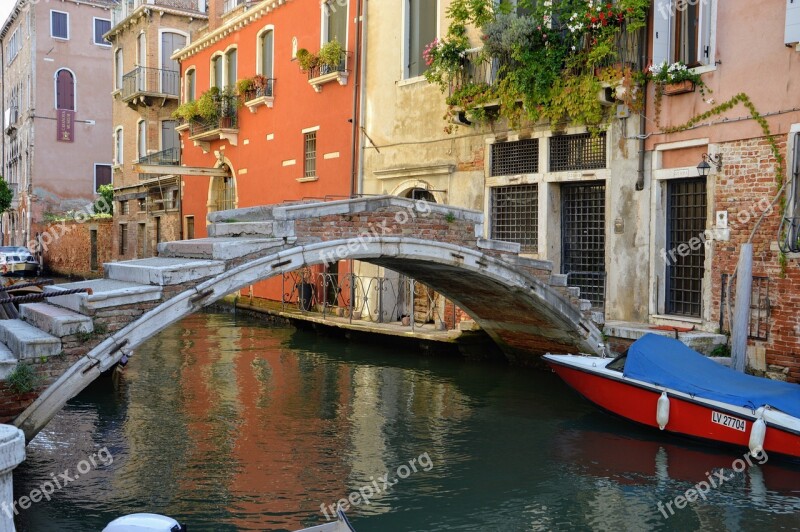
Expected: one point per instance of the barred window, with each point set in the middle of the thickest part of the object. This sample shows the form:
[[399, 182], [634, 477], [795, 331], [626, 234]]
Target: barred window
[[310, 152], [517, 157], [515, 215], [577, 152]]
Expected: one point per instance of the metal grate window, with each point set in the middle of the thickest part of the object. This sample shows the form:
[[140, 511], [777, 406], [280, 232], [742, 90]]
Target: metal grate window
[[760, 307], [518, 157], [686, 220], [310, 161], [583, 239], [577, 152], [515, 215], [225, 193]]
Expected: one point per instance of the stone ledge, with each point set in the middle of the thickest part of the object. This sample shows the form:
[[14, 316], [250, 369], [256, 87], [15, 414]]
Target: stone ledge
[[55, 320], [701, 341]]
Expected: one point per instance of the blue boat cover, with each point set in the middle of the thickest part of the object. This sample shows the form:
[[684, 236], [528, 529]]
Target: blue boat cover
[[670, 363]]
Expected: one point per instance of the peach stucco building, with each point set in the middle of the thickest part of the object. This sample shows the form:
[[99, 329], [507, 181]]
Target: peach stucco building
[[57, 77]]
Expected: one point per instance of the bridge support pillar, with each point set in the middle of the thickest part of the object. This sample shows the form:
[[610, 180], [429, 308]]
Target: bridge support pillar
[[12, 453]]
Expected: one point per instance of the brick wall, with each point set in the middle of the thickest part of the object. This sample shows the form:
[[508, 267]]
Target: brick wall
[[68, 251], [744, 188]]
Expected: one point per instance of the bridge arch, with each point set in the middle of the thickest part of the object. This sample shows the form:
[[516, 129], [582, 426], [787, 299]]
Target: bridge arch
[[521, 312]]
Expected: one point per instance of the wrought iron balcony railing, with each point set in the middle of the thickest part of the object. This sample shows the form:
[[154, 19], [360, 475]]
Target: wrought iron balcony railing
[[199, 127], [320, 70], [125, 8], [258, 92], [150, 81], [168, 157]]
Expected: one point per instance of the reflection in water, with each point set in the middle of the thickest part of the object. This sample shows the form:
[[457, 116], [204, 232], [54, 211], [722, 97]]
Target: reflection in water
[[238, 426]]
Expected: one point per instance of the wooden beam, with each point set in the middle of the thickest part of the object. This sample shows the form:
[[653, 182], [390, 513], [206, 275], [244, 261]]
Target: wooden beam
[[180, 170]]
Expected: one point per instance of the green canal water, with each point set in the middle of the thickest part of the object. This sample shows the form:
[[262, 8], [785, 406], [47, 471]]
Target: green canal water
[[235, 425]]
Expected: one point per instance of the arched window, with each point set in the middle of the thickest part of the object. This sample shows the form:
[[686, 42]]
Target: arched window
[[216, 71], [230, 65], [170, 69], [191, 85], [265, 50], [118, 69], [65, 90]]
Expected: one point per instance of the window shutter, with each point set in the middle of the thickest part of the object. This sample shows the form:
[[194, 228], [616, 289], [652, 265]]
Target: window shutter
[[266, 54], [662, 24], [792, 34], [704, 49], [65, 91]]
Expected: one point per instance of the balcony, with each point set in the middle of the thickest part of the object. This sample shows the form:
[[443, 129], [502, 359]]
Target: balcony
[[125, 8], [142, 84], [168, 157], [260, 96], [320, 74], [223, 126]]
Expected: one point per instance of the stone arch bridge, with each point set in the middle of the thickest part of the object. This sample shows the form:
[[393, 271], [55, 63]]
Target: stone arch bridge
[[73, 338]]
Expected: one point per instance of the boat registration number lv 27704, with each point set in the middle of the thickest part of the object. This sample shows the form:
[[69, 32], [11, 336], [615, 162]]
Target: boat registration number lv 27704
[[728, 421]]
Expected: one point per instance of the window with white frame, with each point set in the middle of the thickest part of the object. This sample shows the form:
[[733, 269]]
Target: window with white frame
[[65, 90], [334, 17], [683, 31], [118, 68], [101, 27], [420, 26], [118, 146], [191, 85], [59, 24], [102, 175]]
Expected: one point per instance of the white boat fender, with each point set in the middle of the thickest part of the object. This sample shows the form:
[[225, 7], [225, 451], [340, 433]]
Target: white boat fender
[[758, 433], [144, 522], [662, 411]]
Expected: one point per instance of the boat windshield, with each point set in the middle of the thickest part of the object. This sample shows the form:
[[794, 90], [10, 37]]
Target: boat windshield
[[618, 364]]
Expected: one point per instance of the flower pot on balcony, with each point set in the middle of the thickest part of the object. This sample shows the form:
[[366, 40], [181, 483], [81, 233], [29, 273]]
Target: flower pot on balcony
[[679, 87]]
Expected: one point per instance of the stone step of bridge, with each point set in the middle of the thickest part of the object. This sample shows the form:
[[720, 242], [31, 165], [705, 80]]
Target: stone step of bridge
[[270, 229], [163, 271], [220, 248], [105, 293], [55, 320], [27, 341], [8, 362]]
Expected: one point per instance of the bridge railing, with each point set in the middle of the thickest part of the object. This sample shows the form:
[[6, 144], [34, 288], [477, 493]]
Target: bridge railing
[[376, 299]]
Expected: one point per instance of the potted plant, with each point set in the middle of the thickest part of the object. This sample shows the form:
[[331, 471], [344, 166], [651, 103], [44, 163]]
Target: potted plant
[[186, 111], [330, 56], [676, 78], [306, 59], [244, 85], [207, 107]]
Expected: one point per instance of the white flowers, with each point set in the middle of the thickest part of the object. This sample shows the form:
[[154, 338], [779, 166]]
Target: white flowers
[[574, 26]]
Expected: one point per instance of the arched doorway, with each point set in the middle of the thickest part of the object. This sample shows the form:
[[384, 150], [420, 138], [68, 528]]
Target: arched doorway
[[222, 194]]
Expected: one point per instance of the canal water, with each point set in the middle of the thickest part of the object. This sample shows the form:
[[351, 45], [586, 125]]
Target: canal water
[[235, 425]]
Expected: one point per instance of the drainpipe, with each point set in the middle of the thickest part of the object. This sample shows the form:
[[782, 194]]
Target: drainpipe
[[642, 115], [359, 185], [357, 97]]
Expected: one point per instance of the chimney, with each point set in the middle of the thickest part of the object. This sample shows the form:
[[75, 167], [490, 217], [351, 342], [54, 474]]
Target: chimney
[[215, 8]]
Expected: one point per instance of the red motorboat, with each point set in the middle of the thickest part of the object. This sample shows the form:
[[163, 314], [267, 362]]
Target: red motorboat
[[660, 382]]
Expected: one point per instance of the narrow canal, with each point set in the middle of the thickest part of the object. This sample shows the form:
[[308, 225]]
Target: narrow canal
[[234, 425]]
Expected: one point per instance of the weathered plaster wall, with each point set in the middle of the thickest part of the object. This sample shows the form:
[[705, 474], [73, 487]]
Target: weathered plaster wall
[[68, 250]]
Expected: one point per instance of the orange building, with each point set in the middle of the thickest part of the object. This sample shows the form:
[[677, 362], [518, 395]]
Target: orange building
[[278, 131]]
